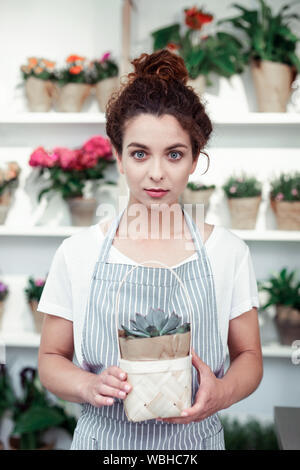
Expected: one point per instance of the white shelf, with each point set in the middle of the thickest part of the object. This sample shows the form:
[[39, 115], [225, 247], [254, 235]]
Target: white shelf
[[32, 340], [53, 117], [65, 231]]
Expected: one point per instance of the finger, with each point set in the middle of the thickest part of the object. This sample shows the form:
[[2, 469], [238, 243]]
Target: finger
[[100, 400], [114, 382], [117, 372], [198, 363], [108, 391]]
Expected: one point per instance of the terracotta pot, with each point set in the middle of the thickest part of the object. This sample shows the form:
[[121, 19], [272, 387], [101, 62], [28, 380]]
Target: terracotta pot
[[14, 444], [287, 321], [38, 317], [5, 201], [198, 84], [82, 210], [287, 214], [200, 196], [272, 82], [71, 97], [243, 211], [39, 94], [104, 89]]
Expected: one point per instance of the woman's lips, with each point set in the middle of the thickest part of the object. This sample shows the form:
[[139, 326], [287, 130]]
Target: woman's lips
[[156, 193]]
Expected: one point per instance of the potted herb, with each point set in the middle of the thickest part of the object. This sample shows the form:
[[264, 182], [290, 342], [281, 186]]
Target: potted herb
[[9, 179], [243, 197], [284, 294], [270, 51], [39, 76], [34, 413], [150, 350], [197, 193], [33, 292], [104, 75], [248, 435], [203, 53], [72, 84], [68, 172], [4, 291], [285, 200], [7, 396]]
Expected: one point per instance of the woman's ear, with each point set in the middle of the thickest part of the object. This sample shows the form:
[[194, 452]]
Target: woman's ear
[[119, 160], [194, 164]]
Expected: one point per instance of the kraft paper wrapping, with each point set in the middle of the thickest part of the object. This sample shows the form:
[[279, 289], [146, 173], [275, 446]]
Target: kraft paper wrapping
[[158, 347]]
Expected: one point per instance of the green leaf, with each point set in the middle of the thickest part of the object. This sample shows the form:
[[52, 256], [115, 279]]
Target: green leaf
[[38, 419], [163, 36]]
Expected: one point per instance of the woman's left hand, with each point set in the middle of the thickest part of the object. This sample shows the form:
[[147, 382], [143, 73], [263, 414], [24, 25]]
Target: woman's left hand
[[209, 397]]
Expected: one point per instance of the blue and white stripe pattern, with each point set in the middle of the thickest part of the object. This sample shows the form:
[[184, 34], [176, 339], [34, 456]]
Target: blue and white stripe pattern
[[107, 427]]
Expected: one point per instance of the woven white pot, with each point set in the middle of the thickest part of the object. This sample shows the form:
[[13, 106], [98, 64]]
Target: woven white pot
[[160, 388]]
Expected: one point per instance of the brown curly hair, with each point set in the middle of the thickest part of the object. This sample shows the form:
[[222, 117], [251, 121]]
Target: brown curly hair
[[158, 86]]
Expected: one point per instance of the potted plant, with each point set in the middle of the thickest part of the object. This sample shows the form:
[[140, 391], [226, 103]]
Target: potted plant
[[271, 53], [9, 179], [7, 396], [38, 75], [34, 413], [284, 294], [72, 84], [197, 193], [203, 53], [33, 292], [104, 75], [153, 351], [69, 171], [285, 200], [4, 291], [243, 196]]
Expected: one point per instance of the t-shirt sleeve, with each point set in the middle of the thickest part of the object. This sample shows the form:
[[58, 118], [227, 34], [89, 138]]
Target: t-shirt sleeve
[[245, 291], [56, 298]]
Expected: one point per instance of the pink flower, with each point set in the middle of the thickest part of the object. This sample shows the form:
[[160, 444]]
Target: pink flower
[[67, 157], [294, 192], [40, 157], [232, 189], [98, 147], [39, 282], [105, 57], [279, 197]]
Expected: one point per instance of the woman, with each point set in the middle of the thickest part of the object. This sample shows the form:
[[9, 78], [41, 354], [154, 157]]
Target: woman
[[158, 128]]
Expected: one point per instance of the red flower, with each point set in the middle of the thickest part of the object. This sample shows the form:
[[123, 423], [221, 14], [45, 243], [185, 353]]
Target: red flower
[[195, 19], [172, 46]]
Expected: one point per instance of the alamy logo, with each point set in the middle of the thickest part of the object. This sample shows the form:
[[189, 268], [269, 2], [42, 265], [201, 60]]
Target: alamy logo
[[296, 352]]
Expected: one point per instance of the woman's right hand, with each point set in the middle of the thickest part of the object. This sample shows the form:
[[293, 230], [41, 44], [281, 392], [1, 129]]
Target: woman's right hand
[[100, 389]]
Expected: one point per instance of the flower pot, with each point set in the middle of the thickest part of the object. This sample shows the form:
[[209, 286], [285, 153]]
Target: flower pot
[[287, 321], [38, 317], [39, 94], [1, 312], [82, 210], [5, 201], [272, 82], [199, 196], [243, 212], [198, 84], [104, 89], [71, 97], [287, 214], [159, 369], [14, 444]]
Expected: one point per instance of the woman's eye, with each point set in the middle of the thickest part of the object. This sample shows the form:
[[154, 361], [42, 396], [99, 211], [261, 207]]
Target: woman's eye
[[139, 153], [176, 154]]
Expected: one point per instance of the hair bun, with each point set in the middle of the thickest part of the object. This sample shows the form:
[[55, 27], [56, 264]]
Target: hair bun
[[162, 64]]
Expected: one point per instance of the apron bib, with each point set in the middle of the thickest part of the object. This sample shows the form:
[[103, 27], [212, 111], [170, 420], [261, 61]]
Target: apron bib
[[107, 427]]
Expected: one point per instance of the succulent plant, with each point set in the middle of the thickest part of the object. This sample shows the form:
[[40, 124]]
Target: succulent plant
[[155, 323]]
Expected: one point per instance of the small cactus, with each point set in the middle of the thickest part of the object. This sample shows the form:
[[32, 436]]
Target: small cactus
[[155, 323]]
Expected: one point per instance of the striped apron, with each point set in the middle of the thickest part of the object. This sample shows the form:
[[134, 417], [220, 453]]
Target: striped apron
[[107, 427]]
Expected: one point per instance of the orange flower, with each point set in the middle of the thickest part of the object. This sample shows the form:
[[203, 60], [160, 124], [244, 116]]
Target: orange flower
[[172, 46], [32, 61], [195, 19], [38, 70], [74, 58], [48, 64], [75, 70]]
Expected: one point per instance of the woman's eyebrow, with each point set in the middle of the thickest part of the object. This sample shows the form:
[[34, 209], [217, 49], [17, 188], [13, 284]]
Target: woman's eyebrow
[[136, 144]]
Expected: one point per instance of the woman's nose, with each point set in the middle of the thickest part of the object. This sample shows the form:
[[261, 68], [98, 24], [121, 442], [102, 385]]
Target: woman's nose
[[156, 171]]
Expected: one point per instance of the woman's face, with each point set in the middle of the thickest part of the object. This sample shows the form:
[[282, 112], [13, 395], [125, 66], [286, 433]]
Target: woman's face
[[157, 153]]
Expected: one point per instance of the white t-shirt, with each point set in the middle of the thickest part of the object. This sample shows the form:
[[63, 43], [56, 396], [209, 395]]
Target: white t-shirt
[[66, 289]]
